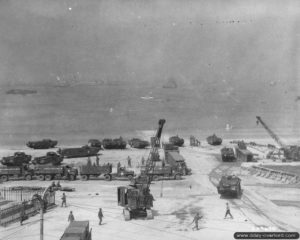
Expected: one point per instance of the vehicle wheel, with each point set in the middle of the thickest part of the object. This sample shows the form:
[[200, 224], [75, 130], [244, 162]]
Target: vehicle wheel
[[48, 177], [28, 177], [84, 177], [177, 177], [4, 178], [57, 176], [107, 177], [155, 177], [72, 177], [149, 214], [126, 214], [41, 177], [129, 177]]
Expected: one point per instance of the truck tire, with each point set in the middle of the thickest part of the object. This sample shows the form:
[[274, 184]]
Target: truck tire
[[126, 214], [84, 177], [28, 177], [41, 177], [177, 176], [72, 177], [155, 177], [130, 177], [107, 177], [149, 214], [4, 178], [48, 177]]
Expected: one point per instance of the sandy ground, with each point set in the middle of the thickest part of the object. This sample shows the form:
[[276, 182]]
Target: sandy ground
[[263, 206]]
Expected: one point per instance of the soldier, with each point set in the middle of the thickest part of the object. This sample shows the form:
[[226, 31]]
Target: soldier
[[97, 160], [58, 184], [22, 213], [53, 184], [143, 160], [71, 217], [129, 161], [196, 220], [100, 216], [228, 211], [118, 167], [64, 200]]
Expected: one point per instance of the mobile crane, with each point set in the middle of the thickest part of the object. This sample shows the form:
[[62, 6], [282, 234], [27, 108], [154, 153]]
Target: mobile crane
[[289, 152], [136, 198]]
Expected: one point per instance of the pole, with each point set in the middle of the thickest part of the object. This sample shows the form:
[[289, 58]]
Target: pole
[[161, 189], [41, 220]]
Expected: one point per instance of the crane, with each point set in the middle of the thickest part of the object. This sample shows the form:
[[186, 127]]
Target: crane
[[136, 198], [272, 134], [290, 152]]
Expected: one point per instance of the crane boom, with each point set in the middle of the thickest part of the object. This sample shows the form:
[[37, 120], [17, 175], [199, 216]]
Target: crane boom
[[272, 134]]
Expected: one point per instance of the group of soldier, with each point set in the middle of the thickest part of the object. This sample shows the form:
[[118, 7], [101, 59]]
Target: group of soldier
[[71, 217]]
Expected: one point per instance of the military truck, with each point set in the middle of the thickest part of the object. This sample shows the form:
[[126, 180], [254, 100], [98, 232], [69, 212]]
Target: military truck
[[123, 173], [42, 144], [93, 171], [214, 140], [227, 154], [138, 143], [163, 172], [51, 157], [77, 230], [230, 186], [18, 159], [177, 161], [177, 141], [48, 172], [78, 152], [15, 172]]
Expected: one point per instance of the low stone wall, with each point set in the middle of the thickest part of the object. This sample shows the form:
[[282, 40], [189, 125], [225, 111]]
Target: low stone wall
[[276, 175]]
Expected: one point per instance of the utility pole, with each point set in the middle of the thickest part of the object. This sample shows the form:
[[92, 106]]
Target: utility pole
[[41, 201]]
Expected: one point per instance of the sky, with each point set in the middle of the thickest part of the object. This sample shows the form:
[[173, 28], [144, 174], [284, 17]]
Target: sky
[[243, 53]]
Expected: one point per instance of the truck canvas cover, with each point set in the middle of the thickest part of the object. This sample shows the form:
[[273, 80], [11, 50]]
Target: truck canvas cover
[[176, 156]]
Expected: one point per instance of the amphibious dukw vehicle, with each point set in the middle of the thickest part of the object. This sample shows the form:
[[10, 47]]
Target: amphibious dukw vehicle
[[214, 140], [77, 230], [138, 143], [50, 158], [18, 159], [94, 143], [117, 143], [42, 144], [230, 186], [177, 141]]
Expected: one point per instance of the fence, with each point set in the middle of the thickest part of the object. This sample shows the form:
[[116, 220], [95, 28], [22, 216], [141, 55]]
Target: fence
[[21, 200]]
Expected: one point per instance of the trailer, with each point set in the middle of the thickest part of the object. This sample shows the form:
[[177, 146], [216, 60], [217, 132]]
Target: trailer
[[163, 172], [77, 230]]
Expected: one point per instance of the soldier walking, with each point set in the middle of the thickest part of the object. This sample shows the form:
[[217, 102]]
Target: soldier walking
[[97, 160], [143, 161], [71, 217], [100, 216], [228, 211], [64, 200], [196, 221]]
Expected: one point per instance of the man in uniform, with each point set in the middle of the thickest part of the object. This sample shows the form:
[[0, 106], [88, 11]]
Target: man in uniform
[[228, 211], [196, 220], [129, 161], [71, 217], [64, 200], [100, 216]]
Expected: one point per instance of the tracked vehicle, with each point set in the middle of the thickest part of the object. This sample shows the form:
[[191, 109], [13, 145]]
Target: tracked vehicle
[[227, 154], [117, 143], [230, 186], [84, 151]]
